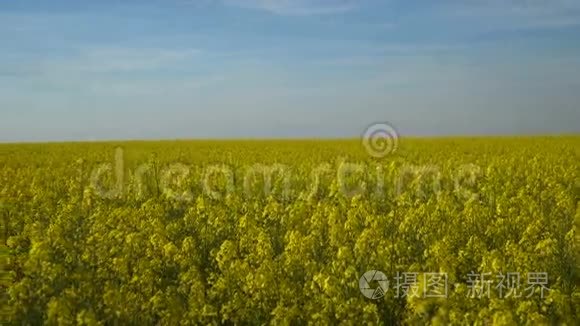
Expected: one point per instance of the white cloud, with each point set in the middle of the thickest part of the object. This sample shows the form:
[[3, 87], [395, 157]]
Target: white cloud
[[298, 7], [120, 71], [149, 87], [124, 59], [98, 60], [521, 14]]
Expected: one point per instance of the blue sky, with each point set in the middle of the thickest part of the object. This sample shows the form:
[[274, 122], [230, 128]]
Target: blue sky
[[148, 69]]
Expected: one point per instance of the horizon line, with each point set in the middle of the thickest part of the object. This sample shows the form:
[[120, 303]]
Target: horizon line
[[284, 139]]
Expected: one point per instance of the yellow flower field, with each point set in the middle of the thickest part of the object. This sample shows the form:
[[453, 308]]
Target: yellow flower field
[[462, 230]]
